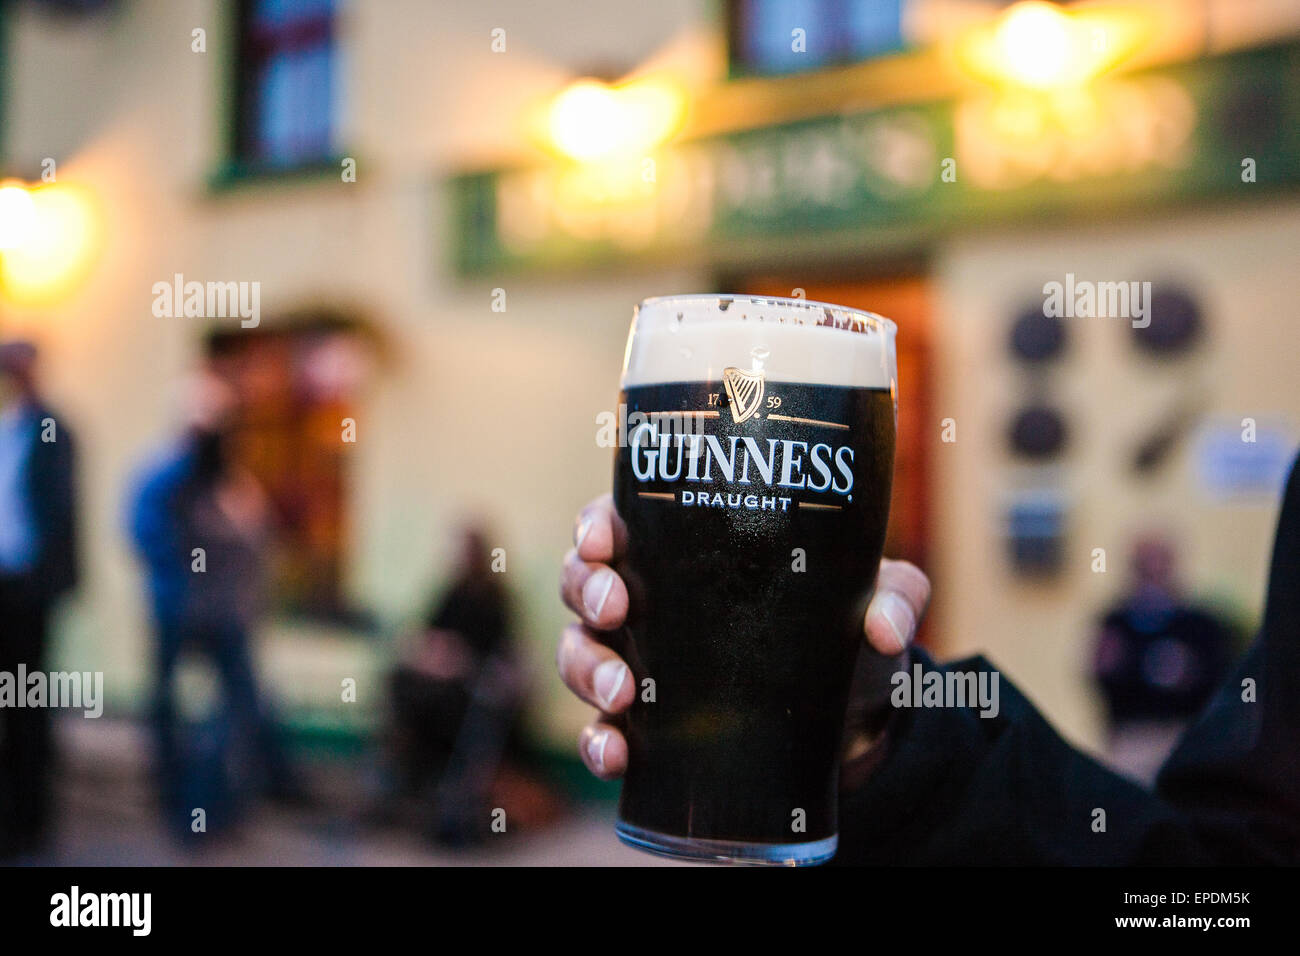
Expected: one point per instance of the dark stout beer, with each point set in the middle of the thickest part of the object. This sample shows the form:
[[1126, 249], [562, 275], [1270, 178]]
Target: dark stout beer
[[754, 482]]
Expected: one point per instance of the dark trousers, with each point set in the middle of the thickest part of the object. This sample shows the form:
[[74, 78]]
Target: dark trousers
[[190, 775], [427, 716], [26, 744], [453, 734]]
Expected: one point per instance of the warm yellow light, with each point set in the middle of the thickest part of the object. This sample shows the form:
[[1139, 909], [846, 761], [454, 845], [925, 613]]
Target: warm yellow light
[[584, 119], [1036, 41], [593, 121], [1038, 46], [16, 215], [60, 243]]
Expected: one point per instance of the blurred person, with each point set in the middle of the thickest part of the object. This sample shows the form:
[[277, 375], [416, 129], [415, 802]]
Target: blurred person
[[38, 564], [945, 786], [456, 695], [194, 496], [1157, 660]]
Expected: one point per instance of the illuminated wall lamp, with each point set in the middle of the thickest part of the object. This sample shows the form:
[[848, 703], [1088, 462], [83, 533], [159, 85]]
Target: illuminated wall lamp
[[1039, 46], [50, 235], [590, 121]]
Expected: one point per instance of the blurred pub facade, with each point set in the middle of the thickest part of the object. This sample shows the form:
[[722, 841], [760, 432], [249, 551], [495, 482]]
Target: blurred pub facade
[[524, 173]]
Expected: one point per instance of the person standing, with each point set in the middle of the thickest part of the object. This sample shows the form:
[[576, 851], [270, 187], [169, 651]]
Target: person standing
[[201, 526], [38, 565]]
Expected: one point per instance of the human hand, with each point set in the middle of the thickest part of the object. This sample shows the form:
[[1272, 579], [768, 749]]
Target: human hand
[[591, 589]]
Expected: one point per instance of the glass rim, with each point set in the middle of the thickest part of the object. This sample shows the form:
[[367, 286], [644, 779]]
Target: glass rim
[[863, 318]]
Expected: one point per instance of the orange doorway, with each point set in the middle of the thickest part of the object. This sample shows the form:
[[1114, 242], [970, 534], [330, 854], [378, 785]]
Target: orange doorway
[[906, 300]]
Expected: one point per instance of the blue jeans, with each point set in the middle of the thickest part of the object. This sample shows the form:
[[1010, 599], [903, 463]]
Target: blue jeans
[[216, 771]]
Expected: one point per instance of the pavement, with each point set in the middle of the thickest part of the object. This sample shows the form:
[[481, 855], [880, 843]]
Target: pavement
[[108, 817]]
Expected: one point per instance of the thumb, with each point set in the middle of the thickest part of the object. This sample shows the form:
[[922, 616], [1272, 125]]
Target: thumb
[[902, 593]]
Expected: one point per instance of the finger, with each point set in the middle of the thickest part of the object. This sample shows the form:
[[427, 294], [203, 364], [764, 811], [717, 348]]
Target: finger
[[593, 592], [599, 533], [604, 750], [594, 672], [902, 593]]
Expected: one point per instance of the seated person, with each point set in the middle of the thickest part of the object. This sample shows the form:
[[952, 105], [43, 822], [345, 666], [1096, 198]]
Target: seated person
[[456, 693]]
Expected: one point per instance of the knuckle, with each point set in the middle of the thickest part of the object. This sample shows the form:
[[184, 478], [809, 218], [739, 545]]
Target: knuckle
[[566, 649]]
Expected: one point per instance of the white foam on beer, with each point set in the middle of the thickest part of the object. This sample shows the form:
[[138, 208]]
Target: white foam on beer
[[693, 338]]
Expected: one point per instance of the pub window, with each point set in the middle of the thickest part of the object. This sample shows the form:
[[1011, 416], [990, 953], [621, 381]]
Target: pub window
[[286, 95], [298, 388], [774, 37]]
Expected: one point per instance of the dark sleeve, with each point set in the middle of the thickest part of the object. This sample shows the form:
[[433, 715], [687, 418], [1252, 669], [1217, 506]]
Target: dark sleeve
[[1237, 771], [54, 497], [956, 788]]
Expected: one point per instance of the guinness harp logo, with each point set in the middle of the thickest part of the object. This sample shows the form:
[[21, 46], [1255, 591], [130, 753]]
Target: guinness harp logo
[[744, 391]]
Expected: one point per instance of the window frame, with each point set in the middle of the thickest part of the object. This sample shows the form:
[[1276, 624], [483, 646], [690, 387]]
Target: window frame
[[738, 69], [234, 169]]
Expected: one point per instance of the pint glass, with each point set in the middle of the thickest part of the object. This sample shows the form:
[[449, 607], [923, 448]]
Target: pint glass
[[754, 480]]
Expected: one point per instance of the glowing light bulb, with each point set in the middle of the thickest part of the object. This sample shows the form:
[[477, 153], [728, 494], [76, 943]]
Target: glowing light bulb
[[17, 216], [592, 121], [1037, 44]]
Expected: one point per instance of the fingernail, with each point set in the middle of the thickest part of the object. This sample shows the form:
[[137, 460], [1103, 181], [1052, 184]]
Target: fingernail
[[895, 610], [596, 749], [596, 591], [580, 533], [608, 681]]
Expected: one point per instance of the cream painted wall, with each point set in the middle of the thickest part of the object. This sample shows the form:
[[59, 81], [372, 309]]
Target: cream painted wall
[[1240, 264]]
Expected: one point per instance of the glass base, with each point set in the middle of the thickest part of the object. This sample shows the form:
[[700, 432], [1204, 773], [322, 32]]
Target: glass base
[[728, 851]]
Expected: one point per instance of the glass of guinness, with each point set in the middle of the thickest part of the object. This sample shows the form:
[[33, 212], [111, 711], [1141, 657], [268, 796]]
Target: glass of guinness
[[754, 481]]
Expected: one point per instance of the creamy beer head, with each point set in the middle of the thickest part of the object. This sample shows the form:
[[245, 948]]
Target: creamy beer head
[[754, 486], [688, 338]]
